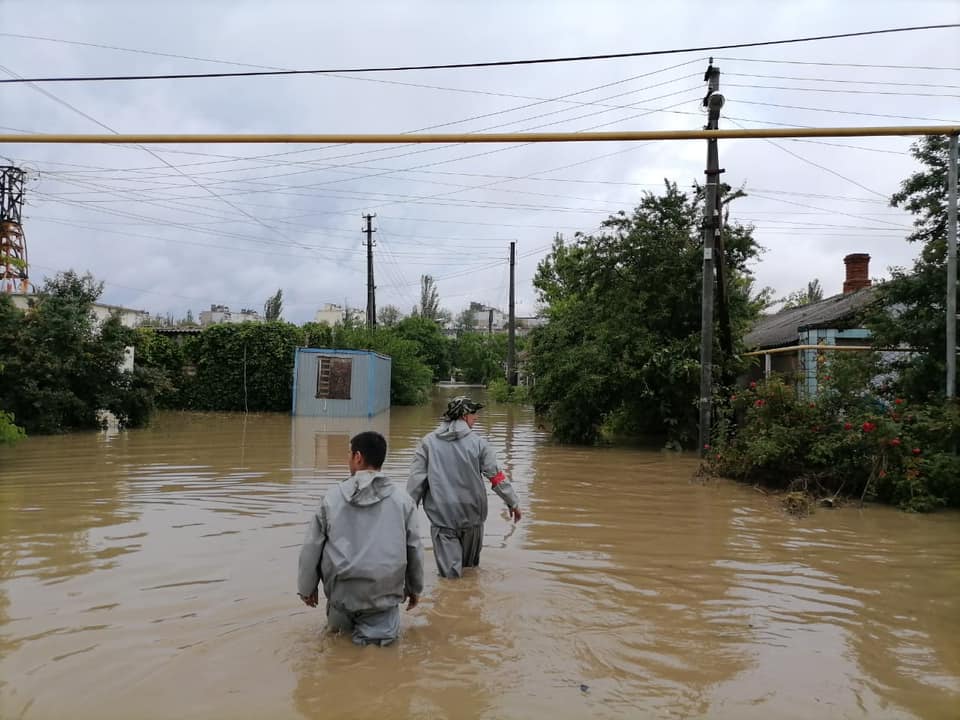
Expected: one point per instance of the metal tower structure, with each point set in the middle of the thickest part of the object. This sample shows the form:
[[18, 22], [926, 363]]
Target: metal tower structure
[[14, 275]]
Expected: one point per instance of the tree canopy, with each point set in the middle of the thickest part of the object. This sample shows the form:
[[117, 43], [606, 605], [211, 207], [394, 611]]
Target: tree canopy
[[621, 345], [273, 307], [910, 308]]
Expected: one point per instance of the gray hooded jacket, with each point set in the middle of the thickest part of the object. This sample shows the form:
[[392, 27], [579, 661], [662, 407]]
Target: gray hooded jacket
[[364, 544], [448, 473]]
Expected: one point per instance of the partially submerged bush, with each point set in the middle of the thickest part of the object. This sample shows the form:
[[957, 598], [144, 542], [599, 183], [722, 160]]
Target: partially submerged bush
[[855, 438]]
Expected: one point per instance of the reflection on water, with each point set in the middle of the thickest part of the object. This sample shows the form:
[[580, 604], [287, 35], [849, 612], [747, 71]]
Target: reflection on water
[[152, 574]]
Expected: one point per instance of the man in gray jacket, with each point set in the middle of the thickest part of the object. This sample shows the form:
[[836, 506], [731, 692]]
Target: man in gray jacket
[[447, 475], [364, 545]]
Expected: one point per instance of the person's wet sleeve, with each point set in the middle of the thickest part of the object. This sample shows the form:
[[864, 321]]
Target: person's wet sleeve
[[490, 467], [417, 480], [309, 577], [414, 577]]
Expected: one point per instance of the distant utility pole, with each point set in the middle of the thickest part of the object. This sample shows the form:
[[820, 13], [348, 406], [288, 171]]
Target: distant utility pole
[[711, 231], [511, 328], [952, 268], [371, 288], [14, 271]]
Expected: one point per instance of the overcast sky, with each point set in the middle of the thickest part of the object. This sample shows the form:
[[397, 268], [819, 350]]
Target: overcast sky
[[169, 228]]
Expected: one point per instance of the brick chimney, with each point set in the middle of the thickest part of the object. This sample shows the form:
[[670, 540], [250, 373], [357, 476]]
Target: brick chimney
[[858, 272]]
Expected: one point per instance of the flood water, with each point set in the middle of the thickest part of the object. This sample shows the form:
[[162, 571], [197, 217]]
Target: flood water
[[151, 574]]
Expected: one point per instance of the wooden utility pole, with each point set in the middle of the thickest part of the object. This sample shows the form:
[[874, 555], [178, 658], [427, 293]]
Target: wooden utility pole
[[711, 229], [952, 268], [511, 327], [371, 288]]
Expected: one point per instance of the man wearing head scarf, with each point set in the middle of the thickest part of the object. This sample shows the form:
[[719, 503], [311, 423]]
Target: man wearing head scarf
[[449, 474]]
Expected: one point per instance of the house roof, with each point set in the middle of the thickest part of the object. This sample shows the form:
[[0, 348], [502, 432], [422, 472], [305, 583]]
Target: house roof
[[783, 328]]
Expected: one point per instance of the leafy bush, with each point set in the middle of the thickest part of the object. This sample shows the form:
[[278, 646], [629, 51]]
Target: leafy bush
[[244, 366], [10, 432], [853, 438], [502, 392]]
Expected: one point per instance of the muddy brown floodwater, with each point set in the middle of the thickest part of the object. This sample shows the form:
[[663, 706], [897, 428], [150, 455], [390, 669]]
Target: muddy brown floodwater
[[151, 574]]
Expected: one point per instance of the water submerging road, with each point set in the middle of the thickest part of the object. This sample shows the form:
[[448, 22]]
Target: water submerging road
[[151, 574]]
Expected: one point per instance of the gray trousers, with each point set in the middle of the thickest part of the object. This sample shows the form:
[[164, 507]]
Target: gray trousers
[[366, 627], [455, 550]]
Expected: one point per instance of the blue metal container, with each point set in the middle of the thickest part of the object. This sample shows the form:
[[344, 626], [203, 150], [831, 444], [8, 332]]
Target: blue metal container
[[340, 383]]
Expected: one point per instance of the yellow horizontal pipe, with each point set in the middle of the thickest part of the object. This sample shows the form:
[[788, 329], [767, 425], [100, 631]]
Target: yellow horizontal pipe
[[433, 138]]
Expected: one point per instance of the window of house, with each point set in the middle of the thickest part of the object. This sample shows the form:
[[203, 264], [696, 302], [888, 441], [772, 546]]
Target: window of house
[[334, 375]]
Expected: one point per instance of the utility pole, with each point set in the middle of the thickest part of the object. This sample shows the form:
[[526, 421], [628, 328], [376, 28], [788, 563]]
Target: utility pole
[[713, 101], [952, 268], [371, 288], [511, 328], [14, 270]]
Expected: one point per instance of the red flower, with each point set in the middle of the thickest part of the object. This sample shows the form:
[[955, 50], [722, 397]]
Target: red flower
[[916, 451], [868, 427], [898, 401], [813, 405], [733, 398], [882, 473], [718, 456], [759, 403], [826, 377], [706, 447], [753, 386], [847, 426], [895, 442]]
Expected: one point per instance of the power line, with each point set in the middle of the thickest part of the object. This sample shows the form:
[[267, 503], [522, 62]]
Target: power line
[[855, 81], [833, 111], [485, 64], [819, 166], [844, 91], [839, 64], [106, 127]]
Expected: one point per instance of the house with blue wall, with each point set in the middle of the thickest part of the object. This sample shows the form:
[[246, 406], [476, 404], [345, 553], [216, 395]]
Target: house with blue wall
[[792, 342]]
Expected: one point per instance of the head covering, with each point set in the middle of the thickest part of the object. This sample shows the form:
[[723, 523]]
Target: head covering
[[460, 406]]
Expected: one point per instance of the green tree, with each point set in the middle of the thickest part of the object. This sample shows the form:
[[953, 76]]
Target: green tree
[[410, 378], [465, 321], [481, 357], [429, 299], [61, 368], [910, 308], [621, 346], [813, 293], [433, 349], [318, 335], [388, 315], [273, 307]]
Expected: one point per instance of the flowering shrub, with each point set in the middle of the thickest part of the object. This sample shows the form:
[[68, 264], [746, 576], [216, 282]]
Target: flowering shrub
[[852, 438]]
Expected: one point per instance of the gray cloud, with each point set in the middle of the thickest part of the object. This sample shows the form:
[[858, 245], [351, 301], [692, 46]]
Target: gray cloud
[[219, 230]]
